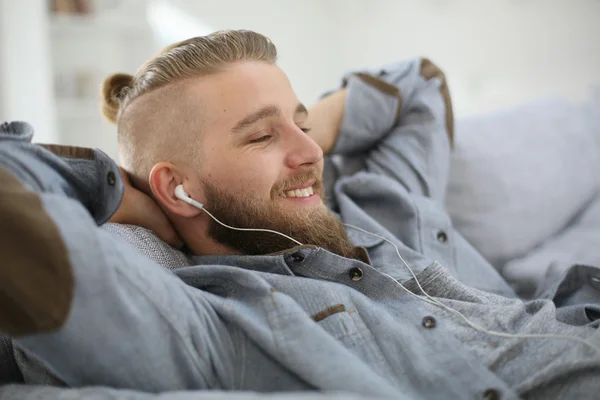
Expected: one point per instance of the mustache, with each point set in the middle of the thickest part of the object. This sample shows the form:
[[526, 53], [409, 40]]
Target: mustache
[[301, 177]]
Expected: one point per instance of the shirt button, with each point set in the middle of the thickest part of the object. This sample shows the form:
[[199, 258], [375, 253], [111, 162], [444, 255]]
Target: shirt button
[[491, 394], [297, 257], [428, 322], [356, 274], [442, 237], [111, 178]]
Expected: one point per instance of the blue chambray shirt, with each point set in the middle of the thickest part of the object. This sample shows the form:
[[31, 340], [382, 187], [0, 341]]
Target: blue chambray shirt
[[306, 319]]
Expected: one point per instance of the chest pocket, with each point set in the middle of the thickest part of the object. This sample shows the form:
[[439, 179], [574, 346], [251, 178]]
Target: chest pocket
[[347, 327], [340, 322]]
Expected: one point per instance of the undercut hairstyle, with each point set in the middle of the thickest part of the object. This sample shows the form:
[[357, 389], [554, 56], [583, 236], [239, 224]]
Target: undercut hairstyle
[[151, 109]]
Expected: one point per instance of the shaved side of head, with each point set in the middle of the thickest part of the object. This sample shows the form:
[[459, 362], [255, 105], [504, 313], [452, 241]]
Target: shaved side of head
[[162, 125]]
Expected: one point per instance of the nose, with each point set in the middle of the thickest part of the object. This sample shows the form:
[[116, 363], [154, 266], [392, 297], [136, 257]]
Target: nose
[[302, 150]]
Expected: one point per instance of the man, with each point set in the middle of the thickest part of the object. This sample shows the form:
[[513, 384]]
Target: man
[[341, 312]]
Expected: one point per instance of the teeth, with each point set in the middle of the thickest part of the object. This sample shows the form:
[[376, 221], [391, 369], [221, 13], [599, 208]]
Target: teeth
[[300, 192]]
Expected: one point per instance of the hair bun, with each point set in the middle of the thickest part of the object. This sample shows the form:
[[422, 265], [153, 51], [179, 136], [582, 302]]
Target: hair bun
[[114, 90]]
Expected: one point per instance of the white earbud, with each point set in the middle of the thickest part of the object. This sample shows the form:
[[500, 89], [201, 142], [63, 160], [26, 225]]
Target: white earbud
[[182, 195]]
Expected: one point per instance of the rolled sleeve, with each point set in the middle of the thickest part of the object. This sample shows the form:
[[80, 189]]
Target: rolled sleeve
[[399, 117], [87, 175], [372, 109]]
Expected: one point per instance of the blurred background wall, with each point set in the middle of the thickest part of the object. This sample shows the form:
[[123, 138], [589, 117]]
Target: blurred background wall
[[495, 53]]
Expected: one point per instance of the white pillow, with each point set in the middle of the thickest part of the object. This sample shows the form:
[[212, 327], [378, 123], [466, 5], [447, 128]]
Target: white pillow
[[518, 176]]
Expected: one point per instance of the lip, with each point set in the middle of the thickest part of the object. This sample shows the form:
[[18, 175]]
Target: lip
[[303, 186]]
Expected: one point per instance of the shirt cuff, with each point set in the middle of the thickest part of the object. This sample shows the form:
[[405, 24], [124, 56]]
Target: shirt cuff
[[372, 109], [87, 174], [97, 182]]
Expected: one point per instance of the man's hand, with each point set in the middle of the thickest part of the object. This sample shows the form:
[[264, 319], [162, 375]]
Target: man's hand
[[324, 119], [137, 208]]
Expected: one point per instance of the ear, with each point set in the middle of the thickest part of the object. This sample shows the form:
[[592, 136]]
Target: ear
[[163, 180]]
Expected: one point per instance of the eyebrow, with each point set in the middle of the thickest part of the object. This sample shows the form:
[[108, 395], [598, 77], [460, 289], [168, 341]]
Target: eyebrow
[[265, 112]]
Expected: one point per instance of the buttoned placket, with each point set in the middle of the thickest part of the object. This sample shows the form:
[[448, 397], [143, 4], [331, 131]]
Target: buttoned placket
[[359, 276], [353, 273]]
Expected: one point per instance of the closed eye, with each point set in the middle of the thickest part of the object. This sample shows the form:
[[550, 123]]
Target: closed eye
[[261, 139], [266, 138]]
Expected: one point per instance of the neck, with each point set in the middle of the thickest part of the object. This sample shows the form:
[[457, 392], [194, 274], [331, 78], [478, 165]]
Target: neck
[[209, 247], [195, 235]]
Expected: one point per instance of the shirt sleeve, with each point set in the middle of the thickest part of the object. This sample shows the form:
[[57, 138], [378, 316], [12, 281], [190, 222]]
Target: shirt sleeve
[[399, 119], [92, 308]]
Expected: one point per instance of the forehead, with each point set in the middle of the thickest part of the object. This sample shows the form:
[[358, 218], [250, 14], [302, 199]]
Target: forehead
[[242, 88]]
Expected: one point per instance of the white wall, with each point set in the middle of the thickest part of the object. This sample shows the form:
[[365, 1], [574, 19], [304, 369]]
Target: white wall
[[87, 50], [495, 52], [305, 36], [25, 67]]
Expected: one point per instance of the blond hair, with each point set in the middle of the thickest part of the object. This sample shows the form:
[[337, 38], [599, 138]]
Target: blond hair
[[143, 130]]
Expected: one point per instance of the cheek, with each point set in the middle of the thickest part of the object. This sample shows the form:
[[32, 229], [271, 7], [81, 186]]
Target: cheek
[[254, 178], [258, 181]]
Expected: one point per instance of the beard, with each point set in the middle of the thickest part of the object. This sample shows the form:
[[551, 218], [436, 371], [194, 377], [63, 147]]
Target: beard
[[310, 226]]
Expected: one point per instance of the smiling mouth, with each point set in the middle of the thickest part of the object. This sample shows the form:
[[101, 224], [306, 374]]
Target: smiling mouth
[[304, 192]]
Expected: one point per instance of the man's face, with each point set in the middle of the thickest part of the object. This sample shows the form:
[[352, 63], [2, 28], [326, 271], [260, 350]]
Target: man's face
[[259, 166]]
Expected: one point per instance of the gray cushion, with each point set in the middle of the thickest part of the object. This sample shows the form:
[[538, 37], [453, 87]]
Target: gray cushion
[[150, 245], [576, 244], [519, 175]]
